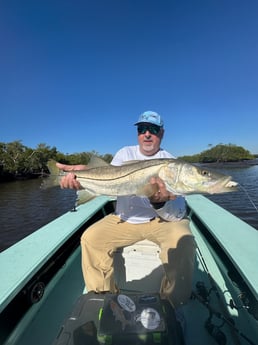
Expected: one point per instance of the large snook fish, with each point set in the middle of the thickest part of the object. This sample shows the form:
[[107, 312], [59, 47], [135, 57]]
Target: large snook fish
[[133, 178]]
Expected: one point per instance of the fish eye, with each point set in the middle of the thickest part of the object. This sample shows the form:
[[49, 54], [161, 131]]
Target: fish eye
[[205, 173]]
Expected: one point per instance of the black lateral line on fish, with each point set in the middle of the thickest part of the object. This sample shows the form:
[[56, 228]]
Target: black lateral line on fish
[[101, 178]]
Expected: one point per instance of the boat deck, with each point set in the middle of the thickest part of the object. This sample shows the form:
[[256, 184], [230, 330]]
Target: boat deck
[[41, 322]]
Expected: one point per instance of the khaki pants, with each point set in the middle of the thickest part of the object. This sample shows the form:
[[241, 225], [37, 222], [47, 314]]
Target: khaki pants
[[177, 245]]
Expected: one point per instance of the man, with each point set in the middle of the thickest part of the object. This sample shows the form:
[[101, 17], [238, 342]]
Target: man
[[159, 219]]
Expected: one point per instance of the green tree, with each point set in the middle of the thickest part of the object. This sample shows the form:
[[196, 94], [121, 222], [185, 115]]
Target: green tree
[[220, 153], [225, 153], [17, 159], [12, 157]]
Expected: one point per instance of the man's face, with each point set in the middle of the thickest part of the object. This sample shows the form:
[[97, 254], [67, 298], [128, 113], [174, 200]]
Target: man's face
[[149, 138]]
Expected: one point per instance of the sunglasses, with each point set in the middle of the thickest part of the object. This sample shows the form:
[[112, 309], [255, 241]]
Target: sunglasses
[[153, 129]]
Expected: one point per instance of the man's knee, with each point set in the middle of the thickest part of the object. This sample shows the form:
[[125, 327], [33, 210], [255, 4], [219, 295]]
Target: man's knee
[[89, 234]]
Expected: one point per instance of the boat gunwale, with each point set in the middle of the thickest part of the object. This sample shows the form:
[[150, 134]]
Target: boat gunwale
[[16, 264], [223, 226]]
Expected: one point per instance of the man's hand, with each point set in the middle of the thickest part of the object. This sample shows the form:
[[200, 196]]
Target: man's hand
[[162, 195], [69, 180]]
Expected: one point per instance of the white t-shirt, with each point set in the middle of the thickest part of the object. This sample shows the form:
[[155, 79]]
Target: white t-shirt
[[134, 209]]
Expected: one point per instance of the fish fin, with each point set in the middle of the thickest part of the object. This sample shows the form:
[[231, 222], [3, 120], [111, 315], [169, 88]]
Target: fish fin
[[84, 196], [96, 162], [148, 190]]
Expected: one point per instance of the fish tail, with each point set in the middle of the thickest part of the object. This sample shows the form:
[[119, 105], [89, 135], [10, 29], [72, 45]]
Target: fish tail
[[53, 178], [53, 169]]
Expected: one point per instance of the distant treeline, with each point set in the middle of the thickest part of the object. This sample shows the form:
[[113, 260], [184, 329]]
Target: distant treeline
[[19, 161], [221, 153]]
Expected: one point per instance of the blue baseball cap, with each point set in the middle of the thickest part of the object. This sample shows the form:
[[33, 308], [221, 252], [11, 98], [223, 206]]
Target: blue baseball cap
[[150, 117]]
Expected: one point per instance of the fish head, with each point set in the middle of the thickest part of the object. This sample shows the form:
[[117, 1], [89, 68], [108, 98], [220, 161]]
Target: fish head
[[185, 178]]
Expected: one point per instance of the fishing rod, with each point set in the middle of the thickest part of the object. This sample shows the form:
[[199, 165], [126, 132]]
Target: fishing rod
[[202, 295]]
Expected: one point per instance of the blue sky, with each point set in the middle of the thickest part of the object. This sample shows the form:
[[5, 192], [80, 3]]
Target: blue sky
[[77, 74]]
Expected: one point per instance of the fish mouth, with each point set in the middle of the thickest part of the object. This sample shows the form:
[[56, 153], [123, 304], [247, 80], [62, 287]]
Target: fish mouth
[[231, 184], [224, 185]]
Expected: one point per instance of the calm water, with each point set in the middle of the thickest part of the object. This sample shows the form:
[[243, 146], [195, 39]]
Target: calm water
[[25, 207], [243, 204]]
